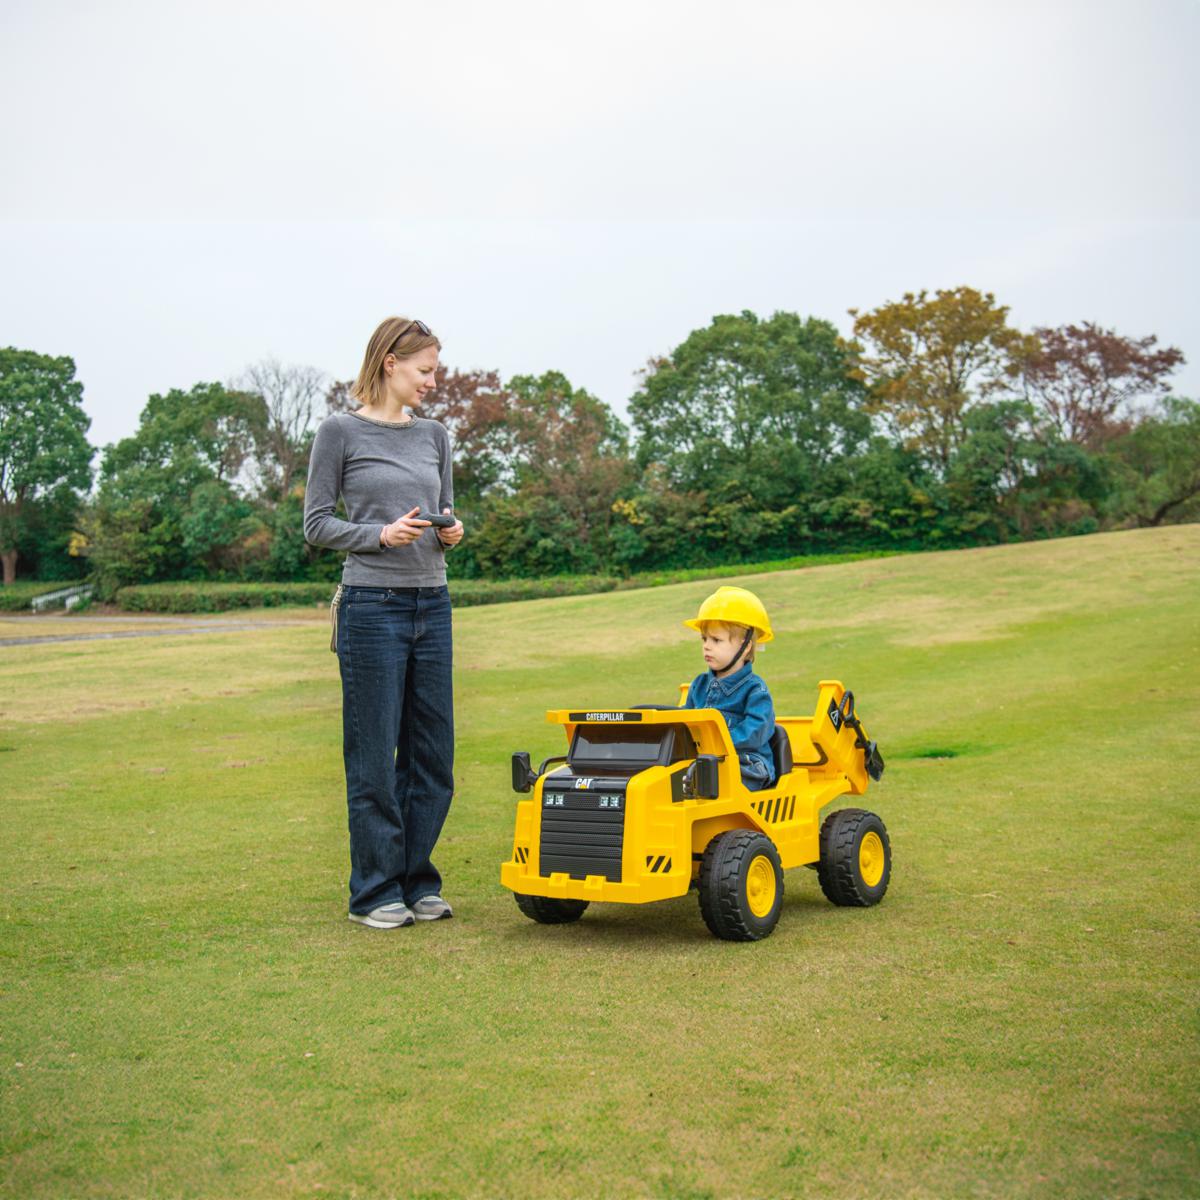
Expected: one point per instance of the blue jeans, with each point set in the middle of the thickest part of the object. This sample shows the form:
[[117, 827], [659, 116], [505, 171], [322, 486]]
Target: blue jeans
[[755, 776], [394, 649]]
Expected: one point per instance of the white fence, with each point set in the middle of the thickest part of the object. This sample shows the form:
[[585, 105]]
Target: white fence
[[65, 598]]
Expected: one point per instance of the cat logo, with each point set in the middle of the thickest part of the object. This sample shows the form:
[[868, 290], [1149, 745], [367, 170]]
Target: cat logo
[[584, 783]]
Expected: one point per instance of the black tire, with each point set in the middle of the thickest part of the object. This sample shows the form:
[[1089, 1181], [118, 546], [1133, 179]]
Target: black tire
[[854, 841], [734, 883], [547, 911]]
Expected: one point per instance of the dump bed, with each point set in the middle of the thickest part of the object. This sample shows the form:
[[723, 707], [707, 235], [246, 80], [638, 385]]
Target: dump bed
[[826, 743]]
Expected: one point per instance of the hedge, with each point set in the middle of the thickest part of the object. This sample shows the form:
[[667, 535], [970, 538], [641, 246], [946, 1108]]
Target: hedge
[[221, 597], [466, 593], [218, 597]]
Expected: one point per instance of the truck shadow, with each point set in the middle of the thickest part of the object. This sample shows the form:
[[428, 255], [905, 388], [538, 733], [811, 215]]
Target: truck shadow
[[674, 922]]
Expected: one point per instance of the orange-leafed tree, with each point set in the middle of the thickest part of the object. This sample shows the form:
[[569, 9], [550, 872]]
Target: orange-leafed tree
[[928, 359]]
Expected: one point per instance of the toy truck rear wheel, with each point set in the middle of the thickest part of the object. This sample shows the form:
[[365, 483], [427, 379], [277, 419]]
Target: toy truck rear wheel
[[856, 858], [548, 911], [741, 886]]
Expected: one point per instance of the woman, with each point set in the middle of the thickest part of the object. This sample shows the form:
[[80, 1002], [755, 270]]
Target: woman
[[391, 622]]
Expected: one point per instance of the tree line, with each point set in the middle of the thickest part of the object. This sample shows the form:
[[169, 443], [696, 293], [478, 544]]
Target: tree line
[[936, 423]]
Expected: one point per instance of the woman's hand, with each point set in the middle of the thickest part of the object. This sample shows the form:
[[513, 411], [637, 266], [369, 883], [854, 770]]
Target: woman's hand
[[404, 530], [452, 535]]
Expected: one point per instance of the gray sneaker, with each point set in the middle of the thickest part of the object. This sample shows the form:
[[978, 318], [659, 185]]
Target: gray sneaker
[[386, 916], [431, 908]]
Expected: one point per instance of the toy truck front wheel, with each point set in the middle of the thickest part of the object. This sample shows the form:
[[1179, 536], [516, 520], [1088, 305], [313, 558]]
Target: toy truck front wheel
[[545, 910], [741, 886]]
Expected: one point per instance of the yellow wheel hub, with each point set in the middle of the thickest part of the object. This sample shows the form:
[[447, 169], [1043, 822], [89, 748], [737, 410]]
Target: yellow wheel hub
[[761, 886], [871, 859]]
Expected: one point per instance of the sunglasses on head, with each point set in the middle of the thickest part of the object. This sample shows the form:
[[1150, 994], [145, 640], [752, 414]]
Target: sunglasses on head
[[419, 326]]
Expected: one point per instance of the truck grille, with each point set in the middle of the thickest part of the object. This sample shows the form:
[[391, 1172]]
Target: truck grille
[[583, 827]]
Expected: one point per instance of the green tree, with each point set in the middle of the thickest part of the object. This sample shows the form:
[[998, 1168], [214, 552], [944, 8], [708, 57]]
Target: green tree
[[1158, 466], [767, 404], [50, 544], [288, 555], [221, 533], [557, 425], [660, 526], [528, 534], [570, 450], [892, 499], [168, 505], [44, 452], [1010, 478], [927, 361], [184, 438], [542, 463]]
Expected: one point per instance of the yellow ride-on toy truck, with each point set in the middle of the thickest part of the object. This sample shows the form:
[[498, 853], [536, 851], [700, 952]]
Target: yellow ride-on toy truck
[[648, 802]]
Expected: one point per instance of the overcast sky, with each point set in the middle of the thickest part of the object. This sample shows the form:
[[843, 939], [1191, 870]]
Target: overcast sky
[[191, 187]]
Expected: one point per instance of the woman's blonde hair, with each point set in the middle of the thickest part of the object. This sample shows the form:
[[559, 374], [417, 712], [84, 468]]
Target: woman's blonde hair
[[401, 336]]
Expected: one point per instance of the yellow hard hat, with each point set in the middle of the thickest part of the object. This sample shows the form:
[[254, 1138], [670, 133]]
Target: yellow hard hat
[[734, 606]]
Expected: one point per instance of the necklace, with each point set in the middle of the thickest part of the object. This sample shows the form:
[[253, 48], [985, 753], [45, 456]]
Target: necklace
[[387, 424]]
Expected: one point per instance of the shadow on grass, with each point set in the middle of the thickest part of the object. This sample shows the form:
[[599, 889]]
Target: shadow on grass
[[650, 926], [939, 750], [633, 927]]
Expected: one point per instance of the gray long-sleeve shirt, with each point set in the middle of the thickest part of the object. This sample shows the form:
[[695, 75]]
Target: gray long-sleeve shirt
[[381, 471]]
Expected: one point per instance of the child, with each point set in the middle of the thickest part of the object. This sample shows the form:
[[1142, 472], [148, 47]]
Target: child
[[731, 622]]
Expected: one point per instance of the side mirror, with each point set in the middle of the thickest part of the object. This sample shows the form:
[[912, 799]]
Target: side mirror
[[702, 781], [523, 777]]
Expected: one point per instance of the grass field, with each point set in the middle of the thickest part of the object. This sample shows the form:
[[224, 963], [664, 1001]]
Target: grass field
[[185, 1011]]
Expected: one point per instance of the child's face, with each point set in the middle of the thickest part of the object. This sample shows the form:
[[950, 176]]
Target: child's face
[[720, 644]]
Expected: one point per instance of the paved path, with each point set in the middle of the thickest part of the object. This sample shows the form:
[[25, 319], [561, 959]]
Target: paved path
[[198, 627]]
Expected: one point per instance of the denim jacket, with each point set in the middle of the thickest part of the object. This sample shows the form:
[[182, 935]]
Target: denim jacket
[[743, 700]]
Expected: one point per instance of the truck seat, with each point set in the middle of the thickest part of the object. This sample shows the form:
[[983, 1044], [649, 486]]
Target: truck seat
[[781, 752]]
